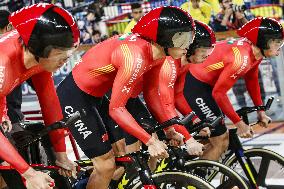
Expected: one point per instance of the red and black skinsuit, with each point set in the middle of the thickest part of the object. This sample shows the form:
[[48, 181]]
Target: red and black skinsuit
[[123, 64], [204, 86], [12, 74]]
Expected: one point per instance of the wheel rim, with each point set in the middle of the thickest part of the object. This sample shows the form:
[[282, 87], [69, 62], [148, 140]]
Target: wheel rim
[[268, 165]]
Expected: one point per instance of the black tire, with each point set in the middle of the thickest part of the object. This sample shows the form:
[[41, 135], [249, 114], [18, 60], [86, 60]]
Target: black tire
[[180, 180], [268, 164], [212, 171]]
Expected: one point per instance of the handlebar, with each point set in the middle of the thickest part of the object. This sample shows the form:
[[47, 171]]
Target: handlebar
[[57, 125], [199, 126], [174, 121], [243, 112], [195, 128], [247, 110]]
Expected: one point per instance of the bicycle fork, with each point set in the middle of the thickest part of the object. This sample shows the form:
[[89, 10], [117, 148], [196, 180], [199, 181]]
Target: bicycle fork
[[246, 164]]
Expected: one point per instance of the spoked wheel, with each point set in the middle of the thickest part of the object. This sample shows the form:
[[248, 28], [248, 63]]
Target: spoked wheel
[[268, 165], [176, 180], [213, 171]]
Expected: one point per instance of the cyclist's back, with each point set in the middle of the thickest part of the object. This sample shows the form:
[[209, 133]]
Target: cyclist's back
[[96, 73], [229, 61]]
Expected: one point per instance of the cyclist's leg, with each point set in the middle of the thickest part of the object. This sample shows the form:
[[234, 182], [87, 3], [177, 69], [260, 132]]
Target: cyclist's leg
[[89, 132], [104, 167], [116, 134], [138, 110], [199, 97]]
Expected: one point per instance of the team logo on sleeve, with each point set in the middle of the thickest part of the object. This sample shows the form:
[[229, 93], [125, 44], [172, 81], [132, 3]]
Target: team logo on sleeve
[[124, 36], [2, 76], [128, 68], [240, 63], [170, 71]]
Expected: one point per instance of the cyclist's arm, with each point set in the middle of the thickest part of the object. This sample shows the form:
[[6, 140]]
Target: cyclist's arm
[[159, 94], [50, 107], [129, 69], [252, 85], [219, 93], [158, 97]]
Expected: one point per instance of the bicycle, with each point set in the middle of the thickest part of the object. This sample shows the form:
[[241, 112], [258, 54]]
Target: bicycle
[[137, 160], [248, 160], [253, 164], [138, 174], [33, 140], [180, 160]]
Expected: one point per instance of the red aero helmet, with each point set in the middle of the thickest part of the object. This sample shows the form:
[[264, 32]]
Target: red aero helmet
[[204, 37], [161, 24], [260, 30], [45, 25]]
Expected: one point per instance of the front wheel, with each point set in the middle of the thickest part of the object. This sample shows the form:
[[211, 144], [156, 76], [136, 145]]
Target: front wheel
[[213, 171], [268, 165], [176, 180]]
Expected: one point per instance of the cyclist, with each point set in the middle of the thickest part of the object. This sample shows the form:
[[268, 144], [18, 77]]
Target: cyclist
[[120, 63], [165, 84], [44, 37], [206, 84], [202, 46]]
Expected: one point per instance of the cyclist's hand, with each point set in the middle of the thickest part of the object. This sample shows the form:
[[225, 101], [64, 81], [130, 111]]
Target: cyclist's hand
[[37, 180], [263, 119], [177, 138], [68, 167], [157, 148], [205, 132], [244, 130], [6, 124], [193, 147]]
